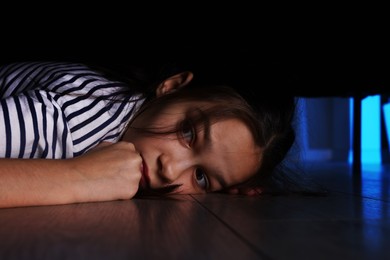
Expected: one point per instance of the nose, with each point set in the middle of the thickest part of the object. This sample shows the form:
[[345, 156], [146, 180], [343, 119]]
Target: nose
[[171, 168]]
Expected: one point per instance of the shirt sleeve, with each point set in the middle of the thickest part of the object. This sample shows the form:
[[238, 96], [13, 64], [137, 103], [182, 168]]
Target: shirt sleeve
[[60, 110], [15, 78], [32, 125]]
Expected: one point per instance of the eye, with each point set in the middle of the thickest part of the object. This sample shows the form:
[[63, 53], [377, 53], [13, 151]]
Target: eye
[[188, 132], [201, 179]]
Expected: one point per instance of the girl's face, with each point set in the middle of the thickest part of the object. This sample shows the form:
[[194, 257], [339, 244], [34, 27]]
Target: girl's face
[[200, 158]]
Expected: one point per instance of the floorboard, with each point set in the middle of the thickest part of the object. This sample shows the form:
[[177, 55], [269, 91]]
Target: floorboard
[[175, 228], [351, 222]]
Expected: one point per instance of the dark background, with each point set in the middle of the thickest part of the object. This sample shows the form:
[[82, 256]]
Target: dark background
[[341, 52], [310, 50]]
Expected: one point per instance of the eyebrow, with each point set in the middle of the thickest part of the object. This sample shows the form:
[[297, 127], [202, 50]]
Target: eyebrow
[[218, 176], [206, 127], [207, 143]]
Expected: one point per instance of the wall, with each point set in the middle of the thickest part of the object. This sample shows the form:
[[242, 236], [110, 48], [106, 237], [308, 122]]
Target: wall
[[324, 128]]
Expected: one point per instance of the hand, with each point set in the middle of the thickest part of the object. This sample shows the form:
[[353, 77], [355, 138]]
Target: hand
[[110, 171]]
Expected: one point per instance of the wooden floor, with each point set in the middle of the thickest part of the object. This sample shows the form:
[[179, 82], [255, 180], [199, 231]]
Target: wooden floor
[[352, 222]]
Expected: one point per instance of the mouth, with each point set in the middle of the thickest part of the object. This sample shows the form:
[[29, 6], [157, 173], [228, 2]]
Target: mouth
[[145, 181]]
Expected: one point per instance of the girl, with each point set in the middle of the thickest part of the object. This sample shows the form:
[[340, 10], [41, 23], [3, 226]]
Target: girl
[[76, 133]]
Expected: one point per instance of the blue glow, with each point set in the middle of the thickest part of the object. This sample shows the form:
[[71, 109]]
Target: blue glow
[[350, 154], [371, 132], [386, 112]]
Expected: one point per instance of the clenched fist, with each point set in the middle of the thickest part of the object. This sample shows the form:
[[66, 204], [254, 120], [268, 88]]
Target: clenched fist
[[111, 171]]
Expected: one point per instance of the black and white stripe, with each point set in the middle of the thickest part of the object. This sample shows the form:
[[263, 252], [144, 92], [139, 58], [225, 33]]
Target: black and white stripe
[[59, 110]]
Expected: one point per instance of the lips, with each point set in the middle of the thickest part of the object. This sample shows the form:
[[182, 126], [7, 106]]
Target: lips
[[145, 181]]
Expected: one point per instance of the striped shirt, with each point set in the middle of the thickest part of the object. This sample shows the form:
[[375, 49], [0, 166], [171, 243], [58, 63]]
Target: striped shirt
[[60, 110]]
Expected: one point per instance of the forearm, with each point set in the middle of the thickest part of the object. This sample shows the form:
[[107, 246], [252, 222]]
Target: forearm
[[29, 182], [110, 172]]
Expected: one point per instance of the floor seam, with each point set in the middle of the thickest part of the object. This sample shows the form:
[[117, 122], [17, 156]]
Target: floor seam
[[236, 233]]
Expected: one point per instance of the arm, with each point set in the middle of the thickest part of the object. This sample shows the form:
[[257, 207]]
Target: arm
[[109, 172]]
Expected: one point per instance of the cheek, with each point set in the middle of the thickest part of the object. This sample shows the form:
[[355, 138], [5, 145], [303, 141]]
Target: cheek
[[158, 143], [143, 142]]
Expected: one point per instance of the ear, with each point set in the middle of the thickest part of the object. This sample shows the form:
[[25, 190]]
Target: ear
[[174, 82]]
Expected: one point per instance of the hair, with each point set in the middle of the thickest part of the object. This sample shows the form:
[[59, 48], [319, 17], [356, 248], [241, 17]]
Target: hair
[[275, 117]]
